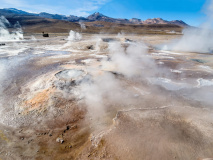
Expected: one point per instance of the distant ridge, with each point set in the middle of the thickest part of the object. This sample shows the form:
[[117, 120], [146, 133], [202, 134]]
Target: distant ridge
[[9, 12]]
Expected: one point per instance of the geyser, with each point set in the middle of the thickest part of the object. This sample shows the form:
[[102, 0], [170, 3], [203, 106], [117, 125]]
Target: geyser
[[5, 35]]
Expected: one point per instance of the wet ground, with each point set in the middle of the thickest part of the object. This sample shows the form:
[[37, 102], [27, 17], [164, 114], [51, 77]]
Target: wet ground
[[104, 97]]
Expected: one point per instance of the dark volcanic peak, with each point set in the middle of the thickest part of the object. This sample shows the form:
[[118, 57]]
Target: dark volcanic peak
[[97, 16], [179, 22], [100, 17], [8, 12]]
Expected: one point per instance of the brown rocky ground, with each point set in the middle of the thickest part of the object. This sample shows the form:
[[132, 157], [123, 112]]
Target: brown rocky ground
[[59, 112]]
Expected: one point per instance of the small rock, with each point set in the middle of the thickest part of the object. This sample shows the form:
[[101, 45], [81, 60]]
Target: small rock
[[128, 40], [68, 127], [30, 141], [50, 133], [59, 140], [90, 47], [20, 131]]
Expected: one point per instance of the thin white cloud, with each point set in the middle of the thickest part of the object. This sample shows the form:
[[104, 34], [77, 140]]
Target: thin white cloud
[[8, 3], [86, 7], [26, 6], [79, 12], [68, 7]]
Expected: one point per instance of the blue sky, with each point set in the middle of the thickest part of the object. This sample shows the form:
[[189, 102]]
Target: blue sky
[[190, 11]]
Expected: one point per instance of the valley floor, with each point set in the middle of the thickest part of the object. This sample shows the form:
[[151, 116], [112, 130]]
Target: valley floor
[[104, 97]]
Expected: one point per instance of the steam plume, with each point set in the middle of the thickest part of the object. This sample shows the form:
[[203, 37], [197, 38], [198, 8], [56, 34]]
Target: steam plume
[[196, 39], [5, 35]]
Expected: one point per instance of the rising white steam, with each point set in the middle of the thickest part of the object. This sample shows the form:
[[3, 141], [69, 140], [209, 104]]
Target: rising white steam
[[129, 61], [83, 26], [5, 35], [3, 75], [193, 40], [196, 39], [74, 36], [105, 88]]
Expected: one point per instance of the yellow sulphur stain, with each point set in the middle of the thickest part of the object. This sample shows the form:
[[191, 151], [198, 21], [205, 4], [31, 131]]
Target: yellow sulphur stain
[[3, 137]]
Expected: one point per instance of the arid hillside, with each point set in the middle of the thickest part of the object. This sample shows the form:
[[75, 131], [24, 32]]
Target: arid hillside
[[35, 24]]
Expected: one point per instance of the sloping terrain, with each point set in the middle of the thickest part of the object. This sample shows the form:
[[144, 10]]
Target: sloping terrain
[[109, 27], [104, 97], [95, 23], [91, 18], [34, 24]]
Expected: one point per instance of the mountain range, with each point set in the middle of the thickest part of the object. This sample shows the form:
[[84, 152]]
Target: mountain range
[[11, 12]]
